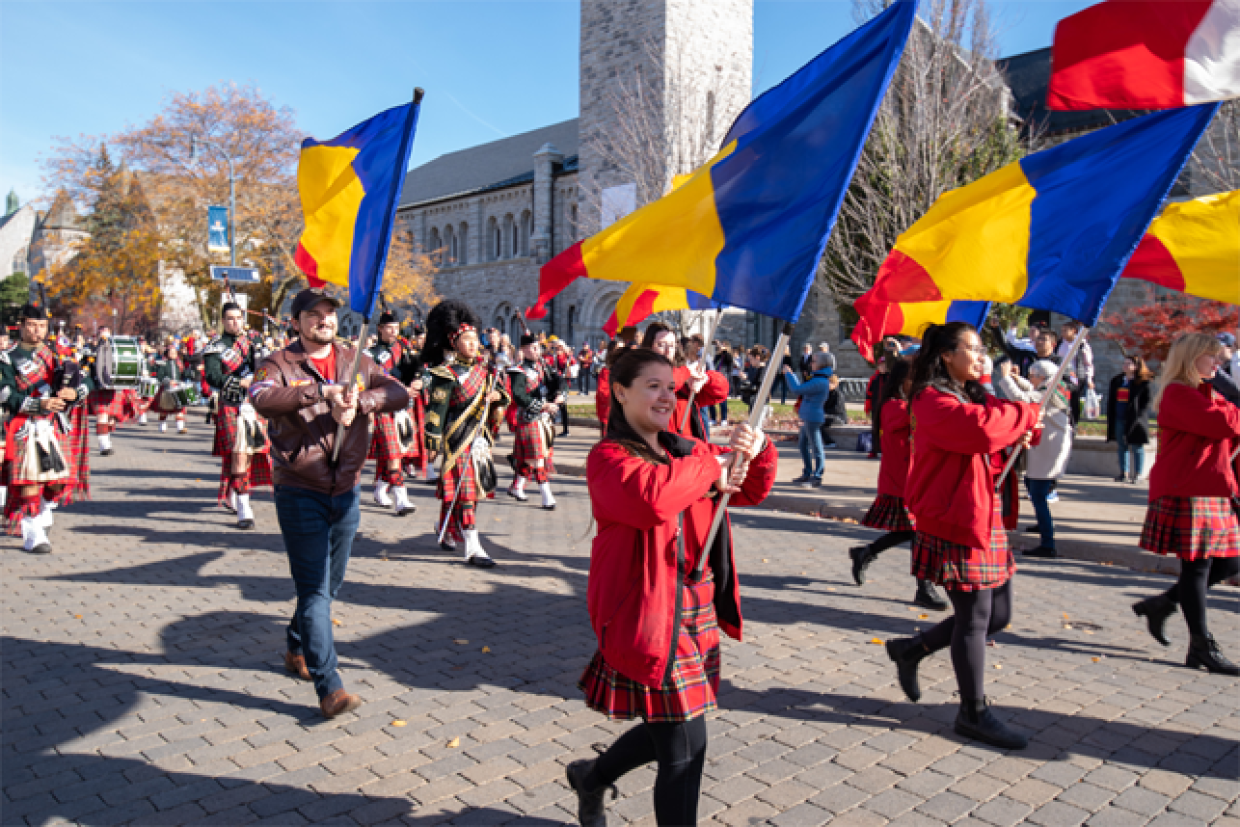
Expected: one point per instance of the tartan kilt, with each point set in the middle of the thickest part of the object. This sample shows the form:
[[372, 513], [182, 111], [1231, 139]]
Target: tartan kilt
[[75, 446], [226, 432], [694, 684], [528, 445], [385, 445], [260, 474], [1191, 528], [134, 405], [462, 474], [888, 513], [108, 402], [959, 567], [157, 404]]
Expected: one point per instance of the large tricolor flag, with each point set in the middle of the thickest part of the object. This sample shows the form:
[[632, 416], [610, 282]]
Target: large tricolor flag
[[642, 300], [1146, 54], [349, 187], [879, 319], [1194, 247], [748, 228], [1052, 231]]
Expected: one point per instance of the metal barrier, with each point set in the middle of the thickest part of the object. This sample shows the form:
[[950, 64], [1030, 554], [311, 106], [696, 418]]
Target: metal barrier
[[853, 389]]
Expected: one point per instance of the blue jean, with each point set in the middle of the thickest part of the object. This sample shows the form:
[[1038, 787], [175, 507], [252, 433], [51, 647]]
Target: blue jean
[[813, 455], [318, 534], [1138, 455], [1038, 491]]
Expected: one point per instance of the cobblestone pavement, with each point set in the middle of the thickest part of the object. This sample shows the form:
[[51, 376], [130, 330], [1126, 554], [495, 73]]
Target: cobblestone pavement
[[142, 679]]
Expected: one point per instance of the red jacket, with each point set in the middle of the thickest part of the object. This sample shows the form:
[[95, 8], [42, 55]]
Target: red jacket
[[893, 470], [634, 585], [602, 398], [1197, 431], [712, 393], [951, 483]]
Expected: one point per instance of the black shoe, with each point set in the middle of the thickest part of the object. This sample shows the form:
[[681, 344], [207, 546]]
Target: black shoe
[[245, 525], [802, 479], [1041, 551], [906, 653], [549, 507], [1203, 652], [481, 562], [406, 511], [1033, 529], [448, 545], [816, 482], [976, 721], [107, 453], [861, 560], [1122, 478], [928, 597], [591, 804], [1156, 610], [519, 496], [41, 548]]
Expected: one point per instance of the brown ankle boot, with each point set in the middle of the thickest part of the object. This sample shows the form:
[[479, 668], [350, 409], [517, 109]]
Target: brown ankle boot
[[296, 665], [338, 703]]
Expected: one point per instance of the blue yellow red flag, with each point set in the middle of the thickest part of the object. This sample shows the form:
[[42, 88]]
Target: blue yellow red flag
[[748, 228], [642, 300], [349, 187], [879, 319], [1194, 247], [1052, 231]]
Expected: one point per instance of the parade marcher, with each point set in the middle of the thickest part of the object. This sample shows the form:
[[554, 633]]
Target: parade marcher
[[170, 374], [657, 598], [1192, 511], [695, 385], [873, 405], [240, 435], [602, 393], [398, 436], [467, 399], [960, 541], [1128, 416], [47, 455], [306, 394], [888, 511], [106, 405], [538, 394]]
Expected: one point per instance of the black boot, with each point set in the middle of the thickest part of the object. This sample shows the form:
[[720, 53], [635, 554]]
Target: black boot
[[907, 653], [928, 597], [976, 721], [591, 804], [1156, 610], [862, 557], [1203, 651]]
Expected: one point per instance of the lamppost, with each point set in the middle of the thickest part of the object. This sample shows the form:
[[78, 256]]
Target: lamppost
[[232, 193]]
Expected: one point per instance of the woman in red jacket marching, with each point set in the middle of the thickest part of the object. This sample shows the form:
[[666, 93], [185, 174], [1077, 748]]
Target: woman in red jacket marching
[[888, 511], [657, 598], [696, 387], [1192, 495], [960, 541]]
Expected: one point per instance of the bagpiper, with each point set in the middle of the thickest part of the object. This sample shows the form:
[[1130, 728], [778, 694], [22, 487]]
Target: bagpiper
[[240, 433], [170, 374], [46, 458], [109, 406], [398, 436], [537, 395], [467, 399]]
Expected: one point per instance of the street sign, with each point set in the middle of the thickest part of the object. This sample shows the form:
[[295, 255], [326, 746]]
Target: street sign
[[236, 275]]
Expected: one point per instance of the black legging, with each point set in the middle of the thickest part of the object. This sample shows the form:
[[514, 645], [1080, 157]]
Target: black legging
[[680, 749], [890, 540], [979, 614], [1197, 577]]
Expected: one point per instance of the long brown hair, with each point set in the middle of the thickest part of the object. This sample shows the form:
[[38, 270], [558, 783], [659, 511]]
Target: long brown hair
[[656, 329], [628, 366], [1142, 372], [1179, 367]]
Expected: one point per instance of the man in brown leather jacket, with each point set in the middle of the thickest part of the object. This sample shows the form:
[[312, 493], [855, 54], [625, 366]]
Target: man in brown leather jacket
[[302, 392]]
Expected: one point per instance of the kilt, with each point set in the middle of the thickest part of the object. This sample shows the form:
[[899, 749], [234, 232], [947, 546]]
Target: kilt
[[75, 446], [385, 446], [888, 513], [529, 445], [1191, 528], [955, 566], [694, 684], [260, 474], [462, 474], [108, 402], [226, 432], [158, 406], [134, 405]]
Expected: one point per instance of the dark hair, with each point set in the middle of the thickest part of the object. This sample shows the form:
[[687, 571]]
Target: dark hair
[[1143, 371], [1046, 331], [893, 385], [656, 329], [627, 366], [928, 365], [229, 307]]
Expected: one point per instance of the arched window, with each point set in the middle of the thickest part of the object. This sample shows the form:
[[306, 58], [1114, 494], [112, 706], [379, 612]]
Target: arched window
[[436, 246], [19, 260], [511, 242], [494, 240], [515, 329], [449, 243], [462, 241], [527, 230]]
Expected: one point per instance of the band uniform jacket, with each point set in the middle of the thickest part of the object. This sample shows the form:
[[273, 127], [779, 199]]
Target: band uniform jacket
[[227, 360], [533, 386], [457, 402], [288, 390], [397, 359]]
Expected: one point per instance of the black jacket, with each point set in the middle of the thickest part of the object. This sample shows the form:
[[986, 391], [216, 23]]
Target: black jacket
[[1136, 422]]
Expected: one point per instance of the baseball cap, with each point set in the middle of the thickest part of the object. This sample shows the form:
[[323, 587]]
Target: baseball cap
[[309, 297], [1227, 339]]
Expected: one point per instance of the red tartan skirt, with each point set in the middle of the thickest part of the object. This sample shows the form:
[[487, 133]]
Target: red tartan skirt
[[75, 446], [226, 432], [109, 402], [694, 684], [954, 566], [385, 446], [462, 474], [888, 513], [260, 474], [1191, 528], [528, 445]]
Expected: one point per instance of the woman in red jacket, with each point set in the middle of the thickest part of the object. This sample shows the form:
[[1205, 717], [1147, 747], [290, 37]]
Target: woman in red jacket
[[960, 541], [888, 512], [1192, 495], [657, 598], [695, 385]]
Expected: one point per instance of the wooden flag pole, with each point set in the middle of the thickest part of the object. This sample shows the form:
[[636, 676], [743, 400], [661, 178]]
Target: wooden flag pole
[[755, 422], [714, 328]]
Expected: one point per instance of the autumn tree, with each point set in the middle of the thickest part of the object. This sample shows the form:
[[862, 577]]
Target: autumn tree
[[1150, 330], [409, 275]]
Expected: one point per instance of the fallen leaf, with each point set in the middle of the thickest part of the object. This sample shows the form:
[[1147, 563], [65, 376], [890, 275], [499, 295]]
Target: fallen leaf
[[876, 641], [454, 743], [998, 665], [461, 642], [1095, 660], [912, 608], [765, 560], [830, 588], [400, 723], [922, 617], [1065, 615], [336, 622], [1067, 625], [486, 650], [79, 617]]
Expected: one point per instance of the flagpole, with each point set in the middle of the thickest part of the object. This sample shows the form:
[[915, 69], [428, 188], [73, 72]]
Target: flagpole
[[755, 422], [1059, 374], [714, 328], [384, 237]]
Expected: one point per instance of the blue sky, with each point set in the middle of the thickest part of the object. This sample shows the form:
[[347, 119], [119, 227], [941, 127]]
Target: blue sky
[[490, 69]]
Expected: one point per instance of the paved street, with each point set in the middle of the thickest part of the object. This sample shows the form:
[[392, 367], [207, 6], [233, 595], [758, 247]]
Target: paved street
[[142, 679]]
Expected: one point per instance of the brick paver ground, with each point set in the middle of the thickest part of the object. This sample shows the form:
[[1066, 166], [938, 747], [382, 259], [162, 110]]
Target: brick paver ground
[[142, 680]]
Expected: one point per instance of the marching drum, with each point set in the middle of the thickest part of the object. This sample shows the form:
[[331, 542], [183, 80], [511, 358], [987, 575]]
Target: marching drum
[[187, 394], [120, 363], [148, 387]]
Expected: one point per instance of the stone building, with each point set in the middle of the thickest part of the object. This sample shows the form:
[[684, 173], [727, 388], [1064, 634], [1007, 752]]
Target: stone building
[[16, 227]]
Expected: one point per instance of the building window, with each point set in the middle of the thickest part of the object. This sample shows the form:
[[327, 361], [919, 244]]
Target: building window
[[512, 243], [462, 241], [527, 230], [494, 240], [436, 246], [515, 329], [449, 243]]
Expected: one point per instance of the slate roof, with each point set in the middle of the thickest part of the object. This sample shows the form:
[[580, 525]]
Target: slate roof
[[1029, 76], [62, 215], [502, 163]]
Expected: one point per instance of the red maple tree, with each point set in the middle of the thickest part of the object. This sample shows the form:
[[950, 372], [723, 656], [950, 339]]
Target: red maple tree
[[1150, 330]]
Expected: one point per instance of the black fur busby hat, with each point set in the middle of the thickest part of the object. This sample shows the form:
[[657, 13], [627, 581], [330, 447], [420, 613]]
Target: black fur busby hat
[[442, 324], [388, 317], [34, 312], [528, 339]]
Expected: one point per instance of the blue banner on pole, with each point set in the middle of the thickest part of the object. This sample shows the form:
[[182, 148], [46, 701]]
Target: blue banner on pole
[[217, 229]]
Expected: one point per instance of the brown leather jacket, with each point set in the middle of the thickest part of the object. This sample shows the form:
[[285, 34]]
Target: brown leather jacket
[[286, 390]]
